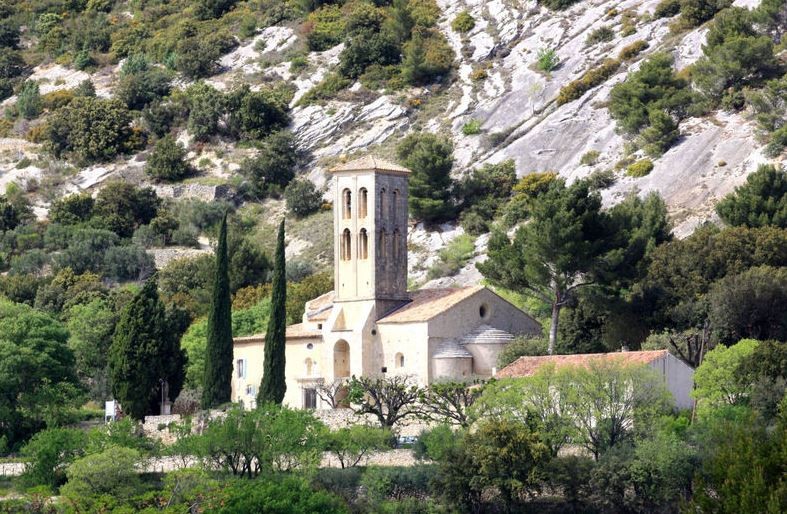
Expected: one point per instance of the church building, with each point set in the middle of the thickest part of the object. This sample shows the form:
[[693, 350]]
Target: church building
[[370, 324]]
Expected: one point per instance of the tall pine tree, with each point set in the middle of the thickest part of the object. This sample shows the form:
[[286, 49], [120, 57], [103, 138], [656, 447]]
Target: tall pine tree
[[144, 352], [217, 384], [273, 385]]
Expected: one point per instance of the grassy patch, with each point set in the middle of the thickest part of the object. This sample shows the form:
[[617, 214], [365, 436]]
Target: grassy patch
[[453, 257]]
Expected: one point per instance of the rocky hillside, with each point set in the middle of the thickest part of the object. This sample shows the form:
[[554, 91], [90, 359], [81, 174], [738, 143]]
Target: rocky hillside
[[495, 87]]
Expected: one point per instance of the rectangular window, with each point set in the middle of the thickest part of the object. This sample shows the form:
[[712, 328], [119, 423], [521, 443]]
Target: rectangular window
[[251, 390], [309, 398], [241, 367]]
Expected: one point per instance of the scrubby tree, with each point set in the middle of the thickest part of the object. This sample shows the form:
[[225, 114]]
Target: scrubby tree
[[273, 385], [254, 115], [167, 161], [761, 201], [430, 158], [28, 100], [205, 106], [302, 197], [72, 209], [140, 83], [90, 326], [697, 12], [37, 376], [121, 207], [273, 167], [92, 129], [558, 251], [351, 444], [389, 399], [448, 402], [716, 380], [144, 354], [217, 384], [749, 305]]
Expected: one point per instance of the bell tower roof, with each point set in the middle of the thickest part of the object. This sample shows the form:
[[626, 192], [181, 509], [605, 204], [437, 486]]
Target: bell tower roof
[[370, 163]]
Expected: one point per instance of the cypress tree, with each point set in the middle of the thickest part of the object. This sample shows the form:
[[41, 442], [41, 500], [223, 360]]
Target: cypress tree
[[142, 352], [273, 385], [217, 384]]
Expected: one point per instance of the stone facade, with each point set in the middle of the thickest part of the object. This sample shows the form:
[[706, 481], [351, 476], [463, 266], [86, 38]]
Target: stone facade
[[370, 325]]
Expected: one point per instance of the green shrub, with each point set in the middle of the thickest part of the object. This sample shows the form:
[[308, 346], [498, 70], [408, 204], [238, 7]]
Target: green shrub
[[167, 161], [427, 57], [471, 128], [653, 87], [463, 22], [328, 25], [590, 158], [28, 101], [302, 197], [435, 443], [661, 133], [590, 79], [140, 83], [327, 89], [557, 5], [547, 60], [455, 255], [522, 346], [667, 9], [640, 168], [632, 50], [111, 472], [256, 114], [601, 179], [92, 129], [397, 482], [697, 12], [285, 494], [273, 167], [343, 482], [48, 453], [600, 35], [298, 63]]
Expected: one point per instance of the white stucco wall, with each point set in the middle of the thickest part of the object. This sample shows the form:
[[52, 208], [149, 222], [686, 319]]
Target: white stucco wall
[[679, 378]]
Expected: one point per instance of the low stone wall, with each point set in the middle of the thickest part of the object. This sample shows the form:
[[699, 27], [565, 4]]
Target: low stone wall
[[198, 191], [157, 427], [342, 418]]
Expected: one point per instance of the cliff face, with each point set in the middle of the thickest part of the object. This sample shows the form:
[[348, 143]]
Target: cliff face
[[514, 104]]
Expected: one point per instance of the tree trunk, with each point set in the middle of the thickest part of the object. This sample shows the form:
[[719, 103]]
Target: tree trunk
[[553, 327]]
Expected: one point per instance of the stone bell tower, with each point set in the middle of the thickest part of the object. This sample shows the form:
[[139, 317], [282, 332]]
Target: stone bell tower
[[370, 234]]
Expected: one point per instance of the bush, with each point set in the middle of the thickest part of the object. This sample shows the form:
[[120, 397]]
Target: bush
[[72, 209], [128, 263], [111, 472], [141, 84], [471, 128], [453, 257], [547, 60], [327, 89], [427, 57], [430, 158], [302, 197], [632, 50], [640, 168], [273, 167], [590, 79], [279, 496], [463, 22], [92, 129], [662, 132], [205, 106], [48, 453], [589, 158], [167, 161], [521, 346], [435, 443], [256, 114], [667, 9], [327, 31], [28, 101], [557, 5], [397, 482], [697, 12], [600, 35], [760, 201]]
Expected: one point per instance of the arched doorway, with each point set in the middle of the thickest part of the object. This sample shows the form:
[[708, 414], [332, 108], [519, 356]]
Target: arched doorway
[[341, 359]]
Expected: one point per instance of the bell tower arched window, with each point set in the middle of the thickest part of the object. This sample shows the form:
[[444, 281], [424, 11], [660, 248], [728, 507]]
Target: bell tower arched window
[[382, 250], [346, 245], [394, 204], [346, 204], [363, 244], [362, 201], [383, 204], [396, 243]]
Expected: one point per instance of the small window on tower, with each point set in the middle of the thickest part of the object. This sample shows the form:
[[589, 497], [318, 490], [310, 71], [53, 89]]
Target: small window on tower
[[383, 203], [346, 245], [382, 250], [347, 204], [362, 200], [396, 243], [394, 203], [363, 244]]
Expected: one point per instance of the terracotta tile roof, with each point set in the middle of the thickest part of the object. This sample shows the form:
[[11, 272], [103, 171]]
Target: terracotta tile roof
[[369, 163], [428, 303], [297, 331], [319, 309], [526, 366]]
